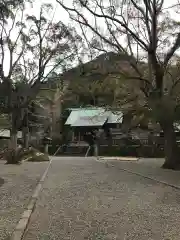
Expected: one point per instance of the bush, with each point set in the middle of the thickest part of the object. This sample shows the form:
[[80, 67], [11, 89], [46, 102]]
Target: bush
[[21, 154], [13, 156], [33, 155], [146, 151], [121, 151], [151, 152], [40, 157], [3, 152]]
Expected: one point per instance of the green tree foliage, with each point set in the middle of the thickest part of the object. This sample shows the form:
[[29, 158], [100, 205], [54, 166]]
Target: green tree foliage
[[50, 104], [149, 35], [31, 48]]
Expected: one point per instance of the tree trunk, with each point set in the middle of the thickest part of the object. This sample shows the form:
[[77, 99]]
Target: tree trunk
[[12, 154], [13, 140], [26, 137], [13, 133], [25, 129], [46, 148], [172, 158]]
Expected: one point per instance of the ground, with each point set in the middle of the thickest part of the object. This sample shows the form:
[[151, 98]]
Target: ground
[[84, 199], [17, 183]]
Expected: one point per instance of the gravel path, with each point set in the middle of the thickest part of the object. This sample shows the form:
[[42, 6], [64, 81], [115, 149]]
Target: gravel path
[[152, 168], [84, 199], [17, 183]]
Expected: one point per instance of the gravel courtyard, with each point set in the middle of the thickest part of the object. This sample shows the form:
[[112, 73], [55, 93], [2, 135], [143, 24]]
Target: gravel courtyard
[[17, 183], [85, 199]]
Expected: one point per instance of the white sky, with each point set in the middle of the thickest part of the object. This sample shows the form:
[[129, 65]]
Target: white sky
[[61, 14]]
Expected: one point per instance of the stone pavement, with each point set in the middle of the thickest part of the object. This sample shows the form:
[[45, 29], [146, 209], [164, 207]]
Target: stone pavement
[[84, 199]]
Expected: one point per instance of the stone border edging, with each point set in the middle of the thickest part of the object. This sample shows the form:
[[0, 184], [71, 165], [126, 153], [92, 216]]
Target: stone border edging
[[141, 175], [21, 227], [122, 159]]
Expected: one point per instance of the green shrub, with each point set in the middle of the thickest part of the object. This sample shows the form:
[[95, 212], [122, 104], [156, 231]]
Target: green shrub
[[33, 155], [122, 151], [146, 151], [41, 157], [13, 156]]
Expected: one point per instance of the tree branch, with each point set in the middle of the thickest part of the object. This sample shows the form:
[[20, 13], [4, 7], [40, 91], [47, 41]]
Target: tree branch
[[143, 44], [173, 49]]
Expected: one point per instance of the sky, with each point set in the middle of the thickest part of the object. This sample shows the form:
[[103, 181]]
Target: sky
[[61, 14]]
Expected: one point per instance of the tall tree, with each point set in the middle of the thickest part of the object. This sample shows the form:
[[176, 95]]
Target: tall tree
[[31, 48], [147, 32], [49, 103]]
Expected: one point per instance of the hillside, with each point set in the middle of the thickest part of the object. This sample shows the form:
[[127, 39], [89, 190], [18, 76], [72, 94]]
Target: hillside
[[100, 67]]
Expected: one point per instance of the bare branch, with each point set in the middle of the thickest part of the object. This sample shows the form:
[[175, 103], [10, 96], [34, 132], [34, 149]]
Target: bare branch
[[105, 16], [173, 49]]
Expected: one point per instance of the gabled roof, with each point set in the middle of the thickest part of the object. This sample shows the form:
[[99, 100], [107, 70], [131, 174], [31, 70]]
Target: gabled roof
[[92, 117], [86, 121]]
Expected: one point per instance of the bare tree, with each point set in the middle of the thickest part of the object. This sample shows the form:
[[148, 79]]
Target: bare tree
[[31, 48], [146, 32], [49, 101]]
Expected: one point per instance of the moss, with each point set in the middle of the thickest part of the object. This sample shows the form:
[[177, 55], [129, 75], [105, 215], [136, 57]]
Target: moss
[[20, 155], [33, 155], [40, 157]]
